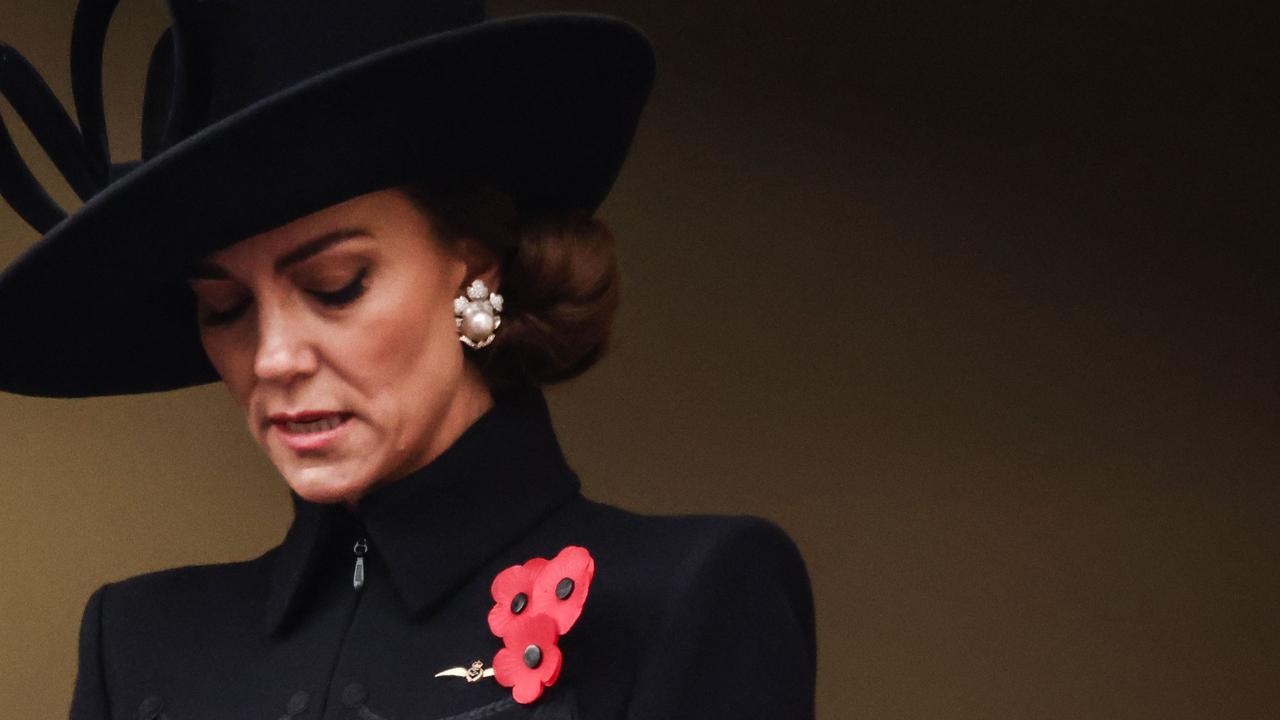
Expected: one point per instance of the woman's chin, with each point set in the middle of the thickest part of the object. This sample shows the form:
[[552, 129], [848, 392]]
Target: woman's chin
[[325, 484]]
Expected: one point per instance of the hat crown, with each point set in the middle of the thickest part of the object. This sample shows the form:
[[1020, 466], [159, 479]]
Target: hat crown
[[223, 55], [259, 47]]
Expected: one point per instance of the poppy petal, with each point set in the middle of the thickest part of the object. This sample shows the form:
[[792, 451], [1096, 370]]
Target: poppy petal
[[526, 691], [509, 583], [569, 574], [549, 671], [507, 667]]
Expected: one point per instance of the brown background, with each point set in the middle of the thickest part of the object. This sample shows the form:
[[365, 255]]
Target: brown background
[[979, 303]]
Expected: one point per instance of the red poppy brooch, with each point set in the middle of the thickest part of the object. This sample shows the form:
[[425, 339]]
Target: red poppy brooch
[[533, 605]]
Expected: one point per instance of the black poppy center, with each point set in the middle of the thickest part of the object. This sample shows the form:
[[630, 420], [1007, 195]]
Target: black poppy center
[[564, 588], [532, 656], [518, 602]]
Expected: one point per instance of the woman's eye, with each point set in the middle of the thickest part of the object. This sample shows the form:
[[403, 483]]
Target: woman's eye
[[345, 294], [334, 298]]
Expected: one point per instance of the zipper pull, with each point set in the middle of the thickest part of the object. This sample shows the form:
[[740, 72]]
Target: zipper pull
[[357, 578]]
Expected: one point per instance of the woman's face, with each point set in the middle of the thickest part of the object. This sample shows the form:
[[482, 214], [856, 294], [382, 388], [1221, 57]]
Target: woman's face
[[336, 335]]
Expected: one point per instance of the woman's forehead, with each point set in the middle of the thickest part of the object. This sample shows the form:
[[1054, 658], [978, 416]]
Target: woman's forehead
[[381, 207], [365, 215]]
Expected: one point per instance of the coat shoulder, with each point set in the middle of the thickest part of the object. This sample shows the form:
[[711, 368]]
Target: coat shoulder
[[189, 581], [178, 601], [687, 540], [663, 561]]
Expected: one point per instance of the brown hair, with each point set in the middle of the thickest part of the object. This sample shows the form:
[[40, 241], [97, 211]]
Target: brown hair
[[559, 283]]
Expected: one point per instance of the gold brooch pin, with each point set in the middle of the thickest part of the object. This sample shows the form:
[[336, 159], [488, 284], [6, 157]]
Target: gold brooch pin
[[472, 674]]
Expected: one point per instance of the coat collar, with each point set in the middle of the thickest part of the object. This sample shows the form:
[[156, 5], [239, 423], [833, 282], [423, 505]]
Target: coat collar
[[437, 525]]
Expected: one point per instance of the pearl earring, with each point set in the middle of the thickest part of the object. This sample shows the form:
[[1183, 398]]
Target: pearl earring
[[477, 314]]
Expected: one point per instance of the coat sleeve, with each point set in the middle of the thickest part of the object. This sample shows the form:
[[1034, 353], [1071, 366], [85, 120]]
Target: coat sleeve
[[89, 700], [737, 639]]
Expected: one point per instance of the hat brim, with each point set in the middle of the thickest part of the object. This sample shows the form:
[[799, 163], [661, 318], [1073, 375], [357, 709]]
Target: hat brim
[[544, 106]]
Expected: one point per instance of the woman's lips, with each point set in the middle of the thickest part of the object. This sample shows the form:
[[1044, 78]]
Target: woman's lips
[[309, 431]]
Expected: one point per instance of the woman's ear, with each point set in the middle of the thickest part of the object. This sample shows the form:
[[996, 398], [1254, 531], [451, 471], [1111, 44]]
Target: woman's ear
[[481, 262]]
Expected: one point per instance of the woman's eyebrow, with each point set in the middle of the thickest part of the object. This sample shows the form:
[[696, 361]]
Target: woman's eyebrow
[[206, 270]]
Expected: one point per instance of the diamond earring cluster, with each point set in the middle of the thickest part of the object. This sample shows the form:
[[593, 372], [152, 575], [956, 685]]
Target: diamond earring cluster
[[477, 315]]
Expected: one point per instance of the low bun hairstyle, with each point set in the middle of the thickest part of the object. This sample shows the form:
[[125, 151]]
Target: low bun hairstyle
[[559, 283]]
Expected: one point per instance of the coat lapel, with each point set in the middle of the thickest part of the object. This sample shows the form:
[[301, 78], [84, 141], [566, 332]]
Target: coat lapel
[[436, 526]]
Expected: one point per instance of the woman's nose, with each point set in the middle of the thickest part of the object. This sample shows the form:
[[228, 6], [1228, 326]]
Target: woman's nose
[[284, 350]]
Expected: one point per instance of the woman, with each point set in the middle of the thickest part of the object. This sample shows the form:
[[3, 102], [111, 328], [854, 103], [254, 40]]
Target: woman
[[373, 223]]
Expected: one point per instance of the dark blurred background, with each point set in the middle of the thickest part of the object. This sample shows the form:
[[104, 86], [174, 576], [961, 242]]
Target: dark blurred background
[[979, 301]]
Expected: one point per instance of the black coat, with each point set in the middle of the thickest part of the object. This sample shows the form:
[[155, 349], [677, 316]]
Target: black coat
[[687, 617]]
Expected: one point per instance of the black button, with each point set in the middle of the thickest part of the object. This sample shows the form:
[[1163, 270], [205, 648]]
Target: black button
[[298, 702], [150, 707], [533, 656], [518, 602], [564, 588], [354, 695]]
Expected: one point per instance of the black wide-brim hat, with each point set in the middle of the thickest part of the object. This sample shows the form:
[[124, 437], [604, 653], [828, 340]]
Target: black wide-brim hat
[[258, 112]]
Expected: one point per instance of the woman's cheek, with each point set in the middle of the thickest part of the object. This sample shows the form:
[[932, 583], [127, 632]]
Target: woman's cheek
[[369, 351], [390, 337]]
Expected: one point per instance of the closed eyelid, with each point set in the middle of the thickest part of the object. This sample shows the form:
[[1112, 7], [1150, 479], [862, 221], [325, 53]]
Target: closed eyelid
[[351, 284]]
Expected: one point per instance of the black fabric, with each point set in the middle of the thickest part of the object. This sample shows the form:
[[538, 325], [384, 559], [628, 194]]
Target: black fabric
[[56, 134], [258, 112], [265, 47], [687, 617]]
